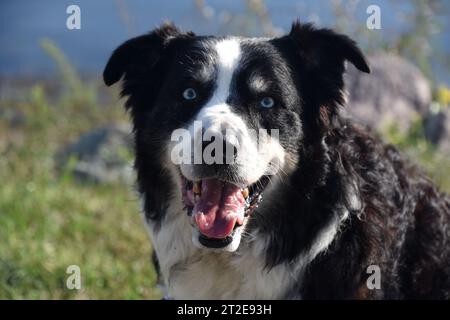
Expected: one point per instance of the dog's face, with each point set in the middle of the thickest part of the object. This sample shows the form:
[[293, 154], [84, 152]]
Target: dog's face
[[226, 117]]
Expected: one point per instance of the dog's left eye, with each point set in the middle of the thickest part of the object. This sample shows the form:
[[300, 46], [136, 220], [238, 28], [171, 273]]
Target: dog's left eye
[[267, 102], [189, 94]]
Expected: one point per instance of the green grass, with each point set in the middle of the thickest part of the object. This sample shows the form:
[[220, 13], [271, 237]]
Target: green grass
[[413, 143], [49, 221]]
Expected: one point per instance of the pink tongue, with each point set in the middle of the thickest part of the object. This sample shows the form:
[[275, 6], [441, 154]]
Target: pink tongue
[[221, 205]]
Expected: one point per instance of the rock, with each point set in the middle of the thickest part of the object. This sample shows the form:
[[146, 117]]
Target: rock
[[103, 155], [437, 129], [14, 117], [394, 92]]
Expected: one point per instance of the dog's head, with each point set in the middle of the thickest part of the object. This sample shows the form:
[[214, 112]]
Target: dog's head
[[218, 120]]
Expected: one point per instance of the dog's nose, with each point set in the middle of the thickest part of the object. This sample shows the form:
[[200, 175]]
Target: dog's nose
[[229, 151]]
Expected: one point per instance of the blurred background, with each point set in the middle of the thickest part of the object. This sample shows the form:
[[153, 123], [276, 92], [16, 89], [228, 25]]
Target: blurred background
[[66, 182]]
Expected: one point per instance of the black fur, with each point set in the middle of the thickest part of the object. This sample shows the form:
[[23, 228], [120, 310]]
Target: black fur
[[400, 221]]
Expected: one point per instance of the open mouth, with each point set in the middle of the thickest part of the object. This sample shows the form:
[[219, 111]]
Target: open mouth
[[219, 207]]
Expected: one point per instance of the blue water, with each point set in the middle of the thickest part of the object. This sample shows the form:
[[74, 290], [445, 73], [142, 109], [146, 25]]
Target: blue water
[[24, 23]]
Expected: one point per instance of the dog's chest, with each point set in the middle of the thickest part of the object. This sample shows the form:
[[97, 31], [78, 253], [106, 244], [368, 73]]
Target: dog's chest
[[209, 277], [192, 273]]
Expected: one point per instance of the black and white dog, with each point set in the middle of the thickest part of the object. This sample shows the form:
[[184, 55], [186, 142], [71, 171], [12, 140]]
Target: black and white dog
[[309, 210]]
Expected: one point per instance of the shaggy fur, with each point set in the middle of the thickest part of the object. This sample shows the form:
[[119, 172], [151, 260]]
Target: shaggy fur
[[345, 202]]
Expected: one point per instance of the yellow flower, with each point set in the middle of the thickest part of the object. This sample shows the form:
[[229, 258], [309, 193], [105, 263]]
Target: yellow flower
[[443, 96]]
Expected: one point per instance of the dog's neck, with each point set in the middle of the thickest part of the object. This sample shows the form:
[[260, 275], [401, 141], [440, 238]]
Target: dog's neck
[[272, 238]]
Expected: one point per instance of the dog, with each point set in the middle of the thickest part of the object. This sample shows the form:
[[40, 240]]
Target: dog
[[317, 209]]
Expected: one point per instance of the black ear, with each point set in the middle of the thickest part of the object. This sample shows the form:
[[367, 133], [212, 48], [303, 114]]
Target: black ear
[[318, 57], [139, 54], [324, 46]]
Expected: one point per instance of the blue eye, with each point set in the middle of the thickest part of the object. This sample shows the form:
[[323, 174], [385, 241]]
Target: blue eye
[[267, 102], [189, 94]]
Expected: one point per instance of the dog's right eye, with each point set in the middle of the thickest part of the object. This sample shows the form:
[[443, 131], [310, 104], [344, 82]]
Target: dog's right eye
[[267, 102], [189, 94]]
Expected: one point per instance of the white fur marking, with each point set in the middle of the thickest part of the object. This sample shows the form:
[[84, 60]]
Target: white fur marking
[[229, 54]]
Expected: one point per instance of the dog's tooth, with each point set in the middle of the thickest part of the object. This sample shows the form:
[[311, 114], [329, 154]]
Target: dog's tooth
[[245, 193], [196, 198], [196, 188]]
